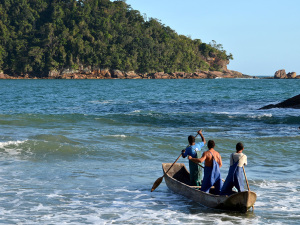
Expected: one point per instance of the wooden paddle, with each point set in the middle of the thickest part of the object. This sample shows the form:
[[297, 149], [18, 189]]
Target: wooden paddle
[[159, 180], [247, 183], [246, 178]]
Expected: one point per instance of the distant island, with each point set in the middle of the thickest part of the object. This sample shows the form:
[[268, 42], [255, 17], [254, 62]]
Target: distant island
[[47, 39]]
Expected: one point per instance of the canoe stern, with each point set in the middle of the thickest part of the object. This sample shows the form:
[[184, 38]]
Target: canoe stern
[[241, 201]]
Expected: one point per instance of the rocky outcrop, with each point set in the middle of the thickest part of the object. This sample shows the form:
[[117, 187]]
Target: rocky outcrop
[[281, 74], [293, 102], [291, 75], [98, 73], [132, 75], [3, 76], [117, 74]]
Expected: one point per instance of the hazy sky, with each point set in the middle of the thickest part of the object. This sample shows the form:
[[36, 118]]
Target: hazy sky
[[262, 35]]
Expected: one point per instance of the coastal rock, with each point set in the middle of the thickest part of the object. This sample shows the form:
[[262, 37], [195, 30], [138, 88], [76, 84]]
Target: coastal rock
[[103, 72], [180, 75], [53, 74], [199, 75], [292, 75], [172, 76], [214, 74], [293, 102], [236, 74], [3, 76], [280, 74], [132, 75], [87, 70], [98, 73], [117, 74], [156, 75]]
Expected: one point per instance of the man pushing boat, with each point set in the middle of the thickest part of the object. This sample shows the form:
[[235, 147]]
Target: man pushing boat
[[213, 162]]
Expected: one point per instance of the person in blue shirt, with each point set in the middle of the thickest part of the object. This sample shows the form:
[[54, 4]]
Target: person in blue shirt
[[194, 150]]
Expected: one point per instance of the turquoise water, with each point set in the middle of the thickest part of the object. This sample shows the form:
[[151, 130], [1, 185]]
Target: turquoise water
[[89, 151]]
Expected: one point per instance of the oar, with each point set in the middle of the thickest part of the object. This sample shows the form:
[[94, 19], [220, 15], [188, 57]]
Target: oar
[[159, 180], [247, 183], [246, 178]]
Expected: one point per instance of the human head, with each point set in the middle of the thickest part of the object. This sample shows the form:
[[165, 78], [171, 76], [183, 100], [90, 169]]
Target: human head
[[210, 144], [191, 139], [239, 146]]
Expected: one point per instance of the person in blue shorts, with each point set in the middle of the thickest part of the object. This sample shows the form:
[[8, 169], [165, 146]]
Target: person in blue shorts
[[194, 150], [213, 163]]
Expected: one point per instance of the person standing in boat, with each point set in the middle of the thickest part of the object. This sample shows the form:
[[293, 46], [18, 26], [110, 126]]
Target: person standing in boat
[[235, 177], [194, 150], [213, 162]]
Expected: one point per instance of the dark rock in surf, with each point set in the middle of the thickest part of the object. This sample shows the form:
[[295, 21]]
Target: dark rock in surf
[[293, 102]]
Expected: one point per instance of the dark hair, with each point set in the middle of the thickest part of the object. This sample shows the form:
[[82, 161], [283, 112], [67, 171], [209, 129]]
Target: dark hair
[[239, 146], [191, 139], [210, 144]]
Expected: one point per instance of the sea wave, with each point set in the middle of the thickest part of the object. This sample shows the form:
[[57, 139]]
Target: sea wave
[[12, 147], [41, 149], [10, 143], [116, 135], [288, 200]]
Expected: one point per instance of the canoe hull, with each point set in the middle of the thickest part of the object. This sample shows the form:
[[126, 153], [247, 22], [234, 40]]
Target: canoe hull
[[177, 180]]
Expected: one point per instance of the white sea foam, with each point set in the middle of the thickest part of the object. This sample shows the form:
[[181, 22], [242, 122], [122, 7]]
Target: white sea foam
[[10, 143], [258, 116], [41, 207], [117, 135], [136, 111], [278, 196], [12, 147], [56, 194], [248, 115], [126, 190]]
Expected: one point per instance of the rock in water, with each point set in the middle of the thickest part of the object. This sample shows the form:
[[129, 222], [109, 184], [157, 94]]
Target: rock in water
[[293, 102], [280, 74]]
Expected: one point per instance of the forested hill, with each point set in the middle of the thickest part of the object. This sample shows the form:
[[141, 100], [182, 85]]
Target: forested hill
[[38, 36]]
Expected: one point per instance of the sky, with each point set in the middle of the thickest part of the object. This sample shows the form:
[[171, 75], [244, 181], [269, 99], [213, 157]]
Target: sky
[[262, 35]]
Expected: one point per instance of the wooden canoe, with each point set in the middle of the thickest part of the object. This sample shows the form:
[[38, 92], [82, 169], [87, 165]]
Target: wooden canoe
[[178, 179]]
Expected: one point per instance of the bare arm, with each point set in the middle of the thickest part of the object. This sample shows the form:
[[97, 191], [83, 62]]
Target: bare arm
[[220, 163], [196, 160], [201, 135]]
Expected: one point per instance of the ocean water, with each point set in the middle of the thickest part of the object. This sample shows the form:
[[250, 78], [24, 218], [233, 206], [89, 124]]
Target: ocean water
[[89, 151]]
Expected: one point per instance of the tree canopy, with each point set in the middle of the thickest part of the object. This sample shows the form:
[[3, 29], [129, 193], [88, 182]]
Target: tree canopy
[[37, 36]]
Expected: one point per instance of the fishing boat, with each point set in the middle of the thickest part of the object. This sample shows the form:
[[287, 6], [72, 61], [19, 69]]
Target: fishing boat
[[177, 179]]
